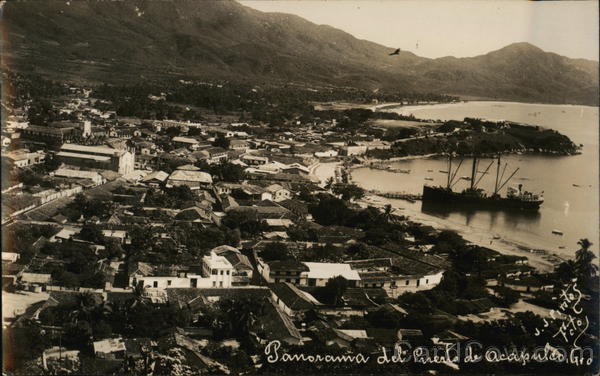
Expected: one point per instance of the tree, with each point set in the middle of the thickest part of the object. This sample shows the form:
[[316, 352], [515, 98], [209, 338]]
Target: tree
[[329, 183], [333, 291], [91, 233], [276, 251], [348, 191], [330, 211], [78, 335], [226, 171], [584, 267], [221, 141], [246, 220], [387, 213]]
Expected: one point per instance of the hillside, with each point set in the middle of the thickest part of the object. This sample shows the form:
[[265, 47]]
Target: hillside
[[132, 40]]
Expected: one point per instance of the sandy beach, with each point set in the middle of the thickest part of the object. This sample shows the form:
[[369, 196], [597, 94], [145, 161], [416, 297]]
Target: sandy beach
[[482, 238]]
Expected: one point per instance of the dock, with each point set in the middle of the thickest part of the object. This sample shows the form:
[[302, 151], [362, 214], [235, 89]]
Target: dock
[[397, 195]]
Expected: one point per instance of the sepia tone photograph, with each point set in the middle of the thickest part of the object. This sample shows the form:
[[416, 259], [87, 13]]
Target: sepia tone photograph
[[300, 187]]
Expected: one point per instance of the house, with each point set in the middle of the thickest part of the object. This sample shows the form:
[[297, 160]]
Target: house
[[10, 256], [111, 348], [243, 270], [22, 158], [66, 233], [353, 150], [195, 214], [326, 154], [36, 281], [93, 176], [193, 179], [239, 145], [251, 192], [399, 274], [283, 271], [278, 192], [219, 270], [276, 224], [298, 208], [254, 160], [215, 271], [155, 179], [292, 300], [120, 235], [295, 168], [214, 154], [48, 195], [54, 135], [188, 142], [277, 325]]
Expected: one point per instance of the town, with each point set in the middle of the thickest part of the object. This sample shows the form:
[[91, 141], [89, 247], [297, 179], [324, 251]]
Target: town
[[144, 234]]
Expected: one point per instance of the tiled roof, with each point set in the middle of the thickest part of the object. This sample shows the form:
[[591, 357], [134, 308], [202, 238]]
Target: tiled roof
[[193, 176]]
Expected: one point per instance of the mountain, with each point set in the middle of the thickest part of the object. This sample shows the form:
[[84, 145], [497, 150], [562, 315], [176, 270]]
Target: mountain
[[131, 40]]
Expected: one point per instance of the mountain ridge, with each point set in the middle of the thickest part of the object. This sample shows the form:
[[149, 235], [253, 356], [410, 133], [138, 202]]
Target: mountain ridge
[[129, 40]]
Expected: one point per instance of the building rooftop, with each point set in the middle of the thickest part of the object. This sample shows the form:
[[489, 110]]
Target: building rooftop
[[109, 345], [83, 156], [293, 297], [90, 149], [193, 176], [214, 261], [68, 173], [156, 175], [185, 140], [326, 270]]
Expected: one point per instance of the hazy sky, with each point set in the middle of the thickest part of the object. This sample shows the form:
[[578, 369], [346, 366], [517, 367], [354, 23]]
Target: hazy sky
[[455, 27]]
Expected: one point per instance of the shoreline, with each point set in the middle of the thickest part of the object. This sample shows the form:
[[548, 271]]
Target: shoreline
[[539, 260], [386, 107]]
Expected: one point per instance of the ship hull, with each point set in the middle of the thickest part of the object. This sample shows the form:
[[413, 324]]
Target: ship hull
[[450, 198]]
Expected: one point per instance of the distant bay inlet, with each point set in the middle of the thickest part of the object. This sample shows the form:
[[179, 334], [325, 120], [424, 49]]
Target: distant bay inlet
[[452, 355]]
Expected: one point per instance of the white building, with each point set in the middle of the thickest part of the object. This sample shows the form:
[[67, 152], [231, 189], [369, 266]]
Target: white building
[[320, 272], [218, 270], [278, 192]]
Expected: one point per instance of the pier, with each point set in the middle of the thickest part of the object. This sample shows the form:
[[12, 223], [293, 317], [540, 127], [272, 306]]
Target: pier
[[397, 195], [386, 167]]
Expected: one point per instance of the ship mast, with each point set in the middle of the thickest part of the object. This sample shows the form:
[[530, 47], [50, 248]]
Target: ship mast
[[449, 170], [482, 175], [499, 184], [473, 172], [497, 175]]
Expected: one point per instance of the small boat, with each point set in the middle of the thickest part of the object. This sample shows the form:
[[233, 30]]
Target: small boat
[[496, 237], [465, 177], [443, 172], [429, 170], [430, 179], [557, 232], [576, 185], [561, 247]]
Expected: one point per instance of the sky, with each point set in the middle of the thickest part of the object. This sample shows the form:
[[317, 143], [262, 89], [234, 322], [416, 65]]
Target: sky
[[458, 28]]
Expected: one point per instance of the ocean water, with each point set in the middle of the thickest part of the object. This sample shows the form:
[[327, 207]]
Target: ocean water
[[569, 183]]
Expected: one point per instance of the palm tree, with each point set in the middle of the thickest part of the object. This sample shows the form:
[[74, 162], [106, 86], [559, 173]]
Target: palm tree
[[85, 304], [584, 267], [329, 183], [387, 213]]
